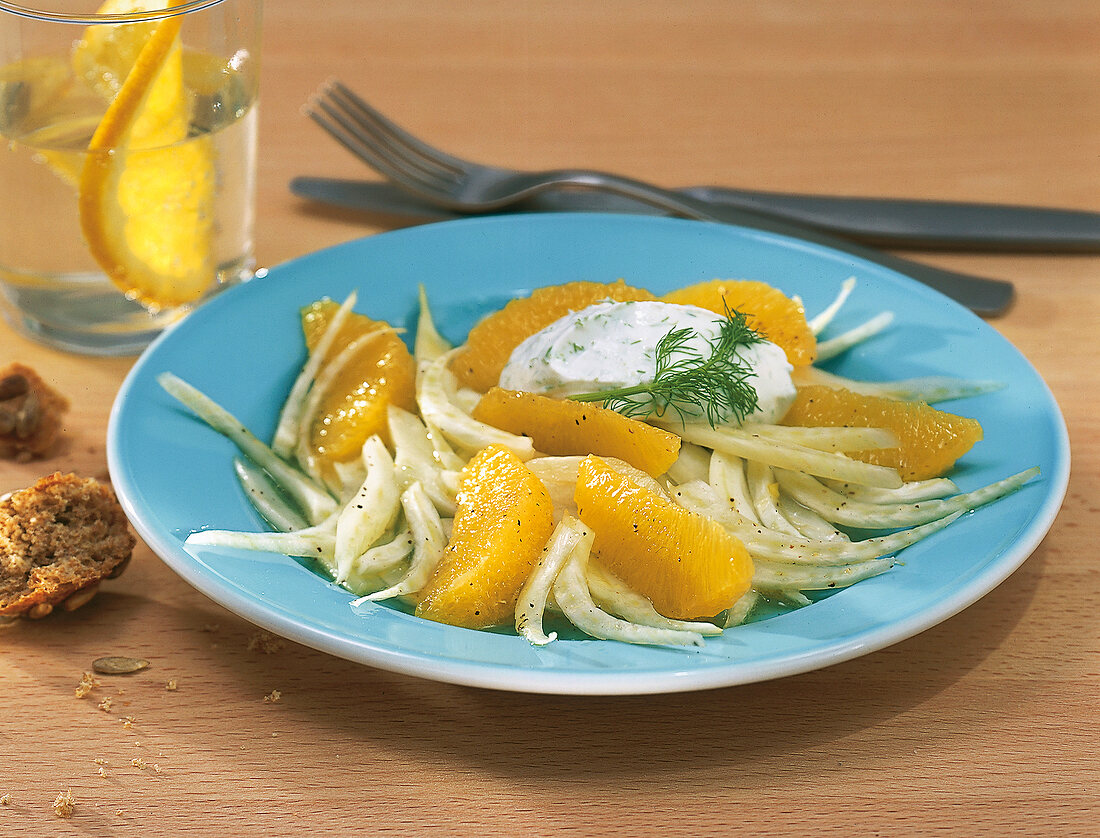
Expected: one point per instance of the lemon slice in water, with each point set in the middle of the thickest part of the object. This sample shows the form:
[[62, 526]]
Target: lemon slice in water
[[146, 191], [102, 58]]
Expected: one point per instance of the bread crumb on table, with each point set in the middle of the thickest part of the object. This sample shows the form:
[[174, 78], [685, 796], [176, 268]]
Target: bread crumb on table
[[172, 685], [64, 804], [87, 683], [265, 643], [5, 800], [272, 697]]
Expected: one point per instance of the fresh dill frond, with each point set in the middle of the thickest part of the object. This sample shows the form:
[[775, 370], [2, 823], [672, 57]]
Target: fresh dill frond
[[688, 381]]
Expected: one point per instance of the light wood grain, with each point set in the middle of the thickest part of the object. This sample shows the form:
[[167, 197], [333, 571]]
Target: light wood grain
[[984, 725]]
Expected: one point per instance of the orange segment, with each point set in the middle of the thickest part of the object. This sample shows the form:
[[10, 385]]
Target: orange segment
[[490, 342], [563, 428], [146, 191], [503, 520], [354, 408], [770, 312], [931, 440], [687, 565]]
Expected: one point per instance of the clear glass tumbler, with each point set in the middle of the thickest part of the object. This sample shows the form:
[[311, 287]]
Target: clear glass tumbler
[[127, 164]]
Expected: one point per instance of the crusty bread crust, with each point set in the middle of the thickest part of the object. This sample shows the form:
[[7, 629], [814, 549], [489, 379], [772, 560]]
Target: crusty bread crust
[[61, 535]]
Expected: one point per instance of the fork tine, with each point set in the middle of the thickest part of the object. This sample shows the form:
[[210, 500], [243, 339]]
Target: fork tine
[[386, 129], [422, 170], [379, 142], [349, 134], [336, 125]]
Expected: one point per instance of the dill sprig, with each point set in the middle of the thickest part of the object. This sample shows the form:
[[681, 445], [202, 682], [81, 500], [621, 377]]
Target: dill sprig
[[687, 381]]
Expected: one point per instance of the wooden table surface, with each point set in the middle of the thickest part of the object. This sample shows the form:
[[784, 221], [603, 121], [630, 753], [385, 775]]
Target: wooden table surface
[[984, 725]]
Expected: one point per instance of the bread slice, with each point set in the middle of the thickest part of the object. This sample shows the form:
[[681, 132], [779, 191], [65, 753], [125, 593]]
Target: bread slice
[[61, 535]]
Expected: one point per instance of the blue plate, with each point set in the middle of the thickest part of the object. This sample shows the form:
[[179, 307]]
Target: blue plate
[[173, 474]]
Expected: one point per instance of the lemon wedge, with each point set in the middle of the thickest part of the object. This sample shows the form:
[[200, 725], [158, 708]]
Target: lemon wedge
[[146, 190], [102, 58]]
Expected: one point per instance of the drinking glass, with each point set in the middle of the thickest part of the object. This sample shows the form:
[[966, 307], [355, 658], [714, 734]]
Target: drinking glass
[[127, 164]]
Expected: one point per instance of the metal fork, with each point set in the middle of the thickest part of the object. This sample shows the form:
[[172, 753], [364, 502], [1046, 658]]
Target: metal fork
[[448, 181]]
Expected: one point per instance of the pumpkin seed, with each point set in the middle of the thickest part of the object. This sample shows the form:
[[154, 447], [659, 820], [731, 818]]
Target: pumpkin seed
[[118, 665]]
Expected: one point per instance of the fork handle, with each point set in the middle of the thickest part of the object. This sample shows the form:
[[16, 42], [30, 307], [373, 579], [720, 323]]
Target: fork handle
[[981, 295]]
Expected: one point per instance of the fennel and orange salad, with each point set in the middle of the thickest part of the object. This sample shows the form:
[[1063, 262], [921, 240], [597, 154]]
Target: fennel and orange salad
[[650, 469]]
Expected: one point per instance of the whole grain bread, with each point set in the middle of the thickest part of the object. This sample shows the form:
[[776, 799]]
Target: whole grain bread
[[62, 535]]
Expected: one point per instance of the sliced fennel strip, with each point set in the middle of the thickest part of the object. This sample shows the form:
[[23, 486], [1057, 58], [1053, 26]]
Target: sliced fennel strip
[[827, 349], [428, 344], [268, 499], [575, 601], [613, 595], [751, 446], [435, 394], [535, 593], [286, 433], [429, 542], [370, 512], [313, 499], [929, 388], [846, 511], [820, 322]]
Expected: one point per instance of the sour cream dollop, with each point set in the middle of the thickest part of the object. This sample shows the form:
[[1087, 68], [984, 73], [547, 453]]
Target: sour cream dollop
[[611, 344]]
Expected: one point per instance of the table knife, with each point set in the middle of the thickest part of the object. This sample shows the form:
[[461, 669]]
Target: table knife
[[982, 295], [882, 222]]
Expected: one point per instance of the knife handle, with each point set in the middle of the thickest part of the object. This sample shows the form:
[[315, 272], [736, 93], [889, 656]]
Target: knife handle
[[923, 224], [982, 295]]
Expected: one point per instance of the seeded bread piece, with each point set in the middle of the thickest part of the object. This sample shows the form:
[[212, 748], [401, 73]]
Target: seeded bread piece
[[62, 535]]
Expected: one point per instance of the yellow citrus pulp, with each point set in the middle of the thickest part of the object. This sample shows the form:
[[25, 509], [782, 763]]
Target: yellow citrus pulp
[[688, 566], [479, 363], [146, 191], [561, 427], [503, 520], [354, 407], [929, 440], [779, 318]]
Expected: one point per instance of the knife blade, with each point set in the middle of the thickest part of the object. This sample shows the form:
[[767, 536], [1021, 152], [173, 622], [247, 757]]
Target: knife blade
[[882, 222]]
